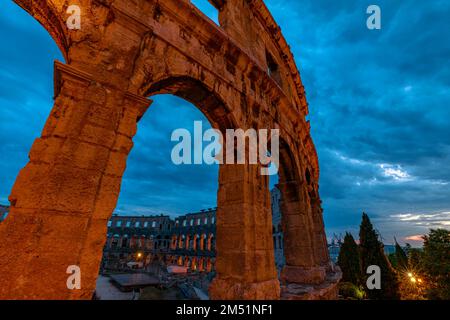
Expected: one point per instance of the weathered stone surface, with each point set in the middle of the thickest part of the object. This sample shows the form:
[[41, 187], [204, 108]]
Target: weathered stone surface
[[231, 290], [296, 274], [326, 290], [125, 52]]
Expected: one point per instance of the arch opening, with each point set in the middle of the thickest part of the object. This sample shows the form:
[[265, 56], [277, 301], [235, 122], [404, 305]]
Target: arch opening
[[26, 77], [84, 179], [289, 212], [46, 14], [153, 186], [198, 94]]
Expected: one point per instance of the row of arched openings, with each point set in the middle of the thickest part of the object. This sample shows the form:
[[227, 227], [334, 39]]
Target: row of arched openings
[[203, 242]]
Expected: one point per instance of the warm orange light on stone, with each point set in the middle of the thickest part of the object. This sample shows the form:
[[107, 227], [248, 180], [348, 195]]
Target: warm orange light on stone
[[125, 52]]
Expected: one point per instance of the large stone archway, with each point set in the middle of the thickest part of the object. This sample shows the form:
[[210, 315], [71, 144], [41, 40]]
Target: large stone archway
[[240, 74]]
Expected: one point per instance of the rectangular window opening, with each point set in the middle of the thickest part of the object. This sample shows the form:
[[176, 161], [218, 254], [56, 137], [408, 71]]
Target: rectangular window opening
[[273, 68]]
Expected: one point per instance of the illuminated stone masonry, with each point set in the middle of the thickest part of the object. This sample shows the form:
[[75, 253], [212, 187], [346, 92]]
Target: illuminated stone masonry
[[188, 240], [240, 74]]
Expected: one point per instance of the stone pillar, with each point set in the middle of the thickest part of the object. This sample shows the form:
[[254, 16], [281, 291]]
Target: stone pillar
[[245, 258], [321, 254], [299, 247], [63, 198]]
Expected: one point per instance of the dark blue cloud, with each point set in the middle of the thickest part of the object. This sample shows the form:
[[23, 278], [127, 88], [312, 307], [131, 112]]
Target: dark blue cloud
[[378, 108], [26, 88], [152, 183]]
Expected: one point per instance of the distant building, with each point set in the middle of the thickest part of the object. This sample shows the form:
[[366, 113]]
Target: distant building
[[136, 238], [188, 240], [334, 247], [193, 241]]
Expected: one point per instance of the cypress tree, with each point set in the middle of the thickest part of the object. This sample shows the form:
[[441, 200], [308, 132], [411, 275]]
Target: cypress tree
[[372, 253], [400, 257], [393, 260], [348, 260]]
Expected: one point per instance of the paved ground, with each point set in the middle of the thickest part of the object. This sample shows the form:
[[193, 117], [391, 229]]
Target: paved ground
[[134, 280], [107, 291], [202, 295]]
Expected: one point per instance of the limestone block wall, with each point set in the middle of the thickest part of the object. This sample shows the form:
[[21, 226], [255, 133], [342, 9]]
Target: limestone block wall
[[240, 75]]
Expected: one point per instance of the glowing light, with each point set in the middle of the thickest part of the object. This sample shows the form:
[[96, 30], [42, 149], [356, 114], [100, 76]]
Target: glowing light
[[410, 274], [139, 255], [413, 280]]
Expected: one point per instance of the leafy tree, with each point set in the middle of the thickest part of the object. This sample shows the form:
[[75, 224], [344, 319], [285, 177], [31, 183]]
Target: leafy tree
[[415, 259], [413, 289], [348, 260], [372, 253], [436, 263]]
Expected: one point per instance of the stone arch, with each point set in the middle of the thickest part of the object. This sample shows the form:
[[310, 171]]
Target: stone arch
[[298, 238], [49, 15], [321, 253], [124, 243], [149, 243], [142, 240], [201, 266], [209, 245], [202, 242], [188, 242], [200, 94], [67, 192], [182, 241], [196, 242], [204, 95], [115, 241], [174, 243], [194, 263]]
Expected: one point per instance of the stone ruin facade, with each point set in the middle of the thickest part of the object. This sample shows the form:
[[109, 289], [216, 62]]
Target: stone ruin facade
[[240, 74], [187, 240]]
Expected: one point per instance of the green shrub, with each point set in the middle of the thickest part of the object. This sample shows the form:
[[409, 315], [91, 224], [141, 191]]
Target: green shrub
[[350, 291]]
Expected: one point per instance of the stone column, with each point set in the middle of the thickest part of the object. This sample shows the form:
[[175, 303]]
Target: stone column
[[245, 258], [321, 256], [63, 198], [298, 230]]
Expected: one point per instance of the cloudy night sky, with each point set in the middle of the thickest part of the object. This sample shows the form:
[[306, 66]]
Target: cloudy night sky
[[379, 109]]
